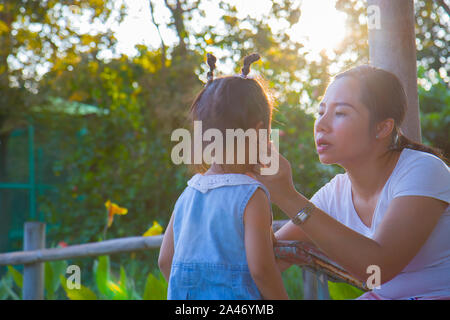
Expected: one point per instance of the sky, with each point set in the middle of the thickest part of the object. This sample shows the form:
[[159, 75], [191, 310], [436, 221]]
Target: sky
[[320, 26]]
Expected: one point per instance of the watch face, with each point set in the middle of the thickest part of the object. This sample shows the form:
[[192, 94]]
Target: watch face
[[302, 215], [297, 219]]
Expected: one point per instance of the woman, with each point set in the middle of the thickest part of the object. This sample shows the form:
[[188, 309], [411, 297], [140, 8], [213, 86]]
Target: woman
[[390, 208]]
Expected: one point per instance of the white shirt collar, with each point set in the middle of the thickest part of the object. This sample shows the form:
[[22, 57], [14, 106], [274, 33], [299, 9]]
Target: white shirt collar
[[203, 183]]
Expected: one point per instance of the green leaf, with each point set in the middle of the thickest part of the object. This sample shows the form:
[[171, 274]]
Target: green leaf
[[6, 288], [343, 291], [17, 276], [123, 278], [48, 283], [116, 292], [53, 270], [293, 282], [105, 285], [101, 272], [155, 289], [83, 293]]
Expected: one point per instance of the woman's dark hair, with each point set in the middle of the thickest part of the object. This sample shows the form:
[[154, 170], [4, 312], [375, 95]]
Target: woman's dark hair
[[232, 102], [383, 94]]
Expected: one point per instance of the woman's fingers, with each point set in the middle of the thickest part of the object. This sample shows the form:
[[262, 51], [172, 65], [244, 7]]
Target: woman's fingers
[[256, 169], [272, 157], [268, 162]]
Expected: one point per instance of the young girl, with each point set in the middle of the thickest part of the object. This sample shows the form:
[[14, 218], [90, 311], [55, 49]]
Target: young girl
[[218, 244]]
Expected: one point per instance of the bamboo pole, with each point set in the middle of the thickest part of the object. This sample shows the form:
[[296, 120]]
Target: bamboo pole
[[306, 255], [107, 247], [320, 268], [315, 282]]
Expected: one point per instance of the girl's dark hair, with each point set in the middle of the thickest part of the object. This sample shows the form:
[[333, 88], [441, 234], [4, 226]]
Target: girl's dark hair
[[383, 94], [231, 102]]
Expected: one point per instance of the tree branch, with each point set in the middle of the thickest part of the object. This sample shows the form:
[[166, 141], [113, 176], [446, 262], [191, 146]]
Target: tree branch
[[177, 14], [444, 5], [172, 9], [163, 46]]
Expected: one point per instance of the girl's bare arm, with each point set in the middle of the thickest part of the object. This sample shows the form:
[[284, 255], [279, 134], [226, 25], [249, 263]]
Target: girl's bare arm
[[166, 251], [259, 248]]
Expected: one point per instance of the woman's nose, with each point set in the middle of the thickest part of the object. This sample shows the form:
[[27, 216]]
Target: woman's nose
[[322, 123]]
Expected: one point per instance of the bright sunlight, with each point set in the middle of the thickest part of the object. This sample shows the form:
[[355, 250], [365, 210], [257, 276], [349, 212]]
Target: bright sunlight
[[320, 27]]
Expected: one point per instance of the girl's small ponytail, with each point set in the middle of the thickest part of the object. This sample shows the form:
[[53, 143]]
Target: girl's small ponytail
[[211, 60], [248, 60]]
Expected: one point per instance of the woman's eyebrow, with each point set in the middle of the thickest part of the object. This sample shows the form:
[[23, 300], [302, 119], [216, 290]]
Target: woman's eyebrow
[[337, 104]]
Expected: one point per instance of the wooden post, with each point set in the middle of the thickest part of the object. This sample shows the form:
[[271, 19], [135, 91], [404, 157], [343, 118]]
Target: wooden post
[[33, 274], [315, 285], [322, 286], [392, 47], [310, 291]]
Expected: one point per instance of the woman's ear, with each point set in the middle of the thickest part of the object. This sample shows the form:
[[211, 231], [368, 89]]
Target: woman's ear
[[384, 128]]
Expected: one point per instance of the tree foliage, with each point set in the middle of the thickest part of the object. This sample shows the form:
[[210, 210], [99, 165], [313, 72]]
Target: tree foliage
[[107, 122], [36, 36]]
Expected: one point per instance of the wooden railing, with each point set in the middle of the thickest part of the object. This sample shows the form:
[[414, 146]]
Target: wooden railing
[[317, 270], [35, 254]]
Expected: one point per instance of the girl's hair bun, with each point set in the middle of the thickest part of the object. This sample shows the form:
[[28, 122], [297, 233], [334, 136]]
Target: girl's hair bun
[[248, 60], [211, 60]]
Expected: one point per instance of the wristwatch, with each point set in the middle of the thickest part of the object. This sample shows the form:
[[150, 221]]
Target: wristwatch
[[304, 214]]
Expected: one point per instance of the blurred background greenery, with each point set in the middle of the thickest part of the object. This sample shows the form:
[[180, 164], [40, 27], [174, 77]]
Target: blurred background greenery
[[102, 123]]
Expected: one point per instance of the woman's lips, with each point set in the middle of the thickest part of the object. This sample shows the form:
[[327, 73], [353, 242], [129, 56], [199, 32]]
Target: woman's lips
[[322, 145]]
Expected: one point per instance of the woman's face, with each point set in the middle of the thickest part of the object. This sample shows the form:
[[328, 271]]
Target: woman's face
[[341, 130]]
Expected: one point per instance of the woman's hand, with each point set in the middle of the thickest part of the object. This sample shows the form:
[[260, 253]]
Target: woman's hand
[[280, 184]]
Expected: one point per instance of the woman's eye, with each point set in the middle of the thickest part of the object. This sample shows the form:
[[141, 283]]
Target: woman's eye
[[340, 114]]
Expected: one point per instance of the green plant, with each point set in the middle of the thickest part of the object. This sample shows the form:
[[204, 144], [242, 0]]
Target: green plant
[[7, 282], [343, 291], [155, 287], [105, 285], [82, 293], [11, 283], [293, 282], [111, 287], [52, 273]]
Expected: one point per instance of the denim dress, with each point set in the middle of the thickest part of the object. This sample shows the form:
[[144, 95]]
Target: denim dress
[[209, 261]]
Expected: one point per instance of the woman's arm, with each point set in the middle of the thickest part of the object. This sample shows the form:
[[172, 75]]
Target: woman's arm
[[166, 251], [406, 226], [281, 187], [259, 248], [290, 232]]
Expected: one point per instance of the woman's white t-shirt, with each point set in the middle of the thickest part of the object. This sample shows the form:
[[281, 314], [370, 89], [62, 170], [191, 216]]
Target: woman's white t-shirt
[[415, 174]]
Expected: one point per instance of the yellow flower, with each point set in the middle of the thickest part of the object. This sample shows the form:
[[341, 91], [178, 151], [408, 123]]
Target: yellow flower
[[114, 287], [113, 209], [154, 230]]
